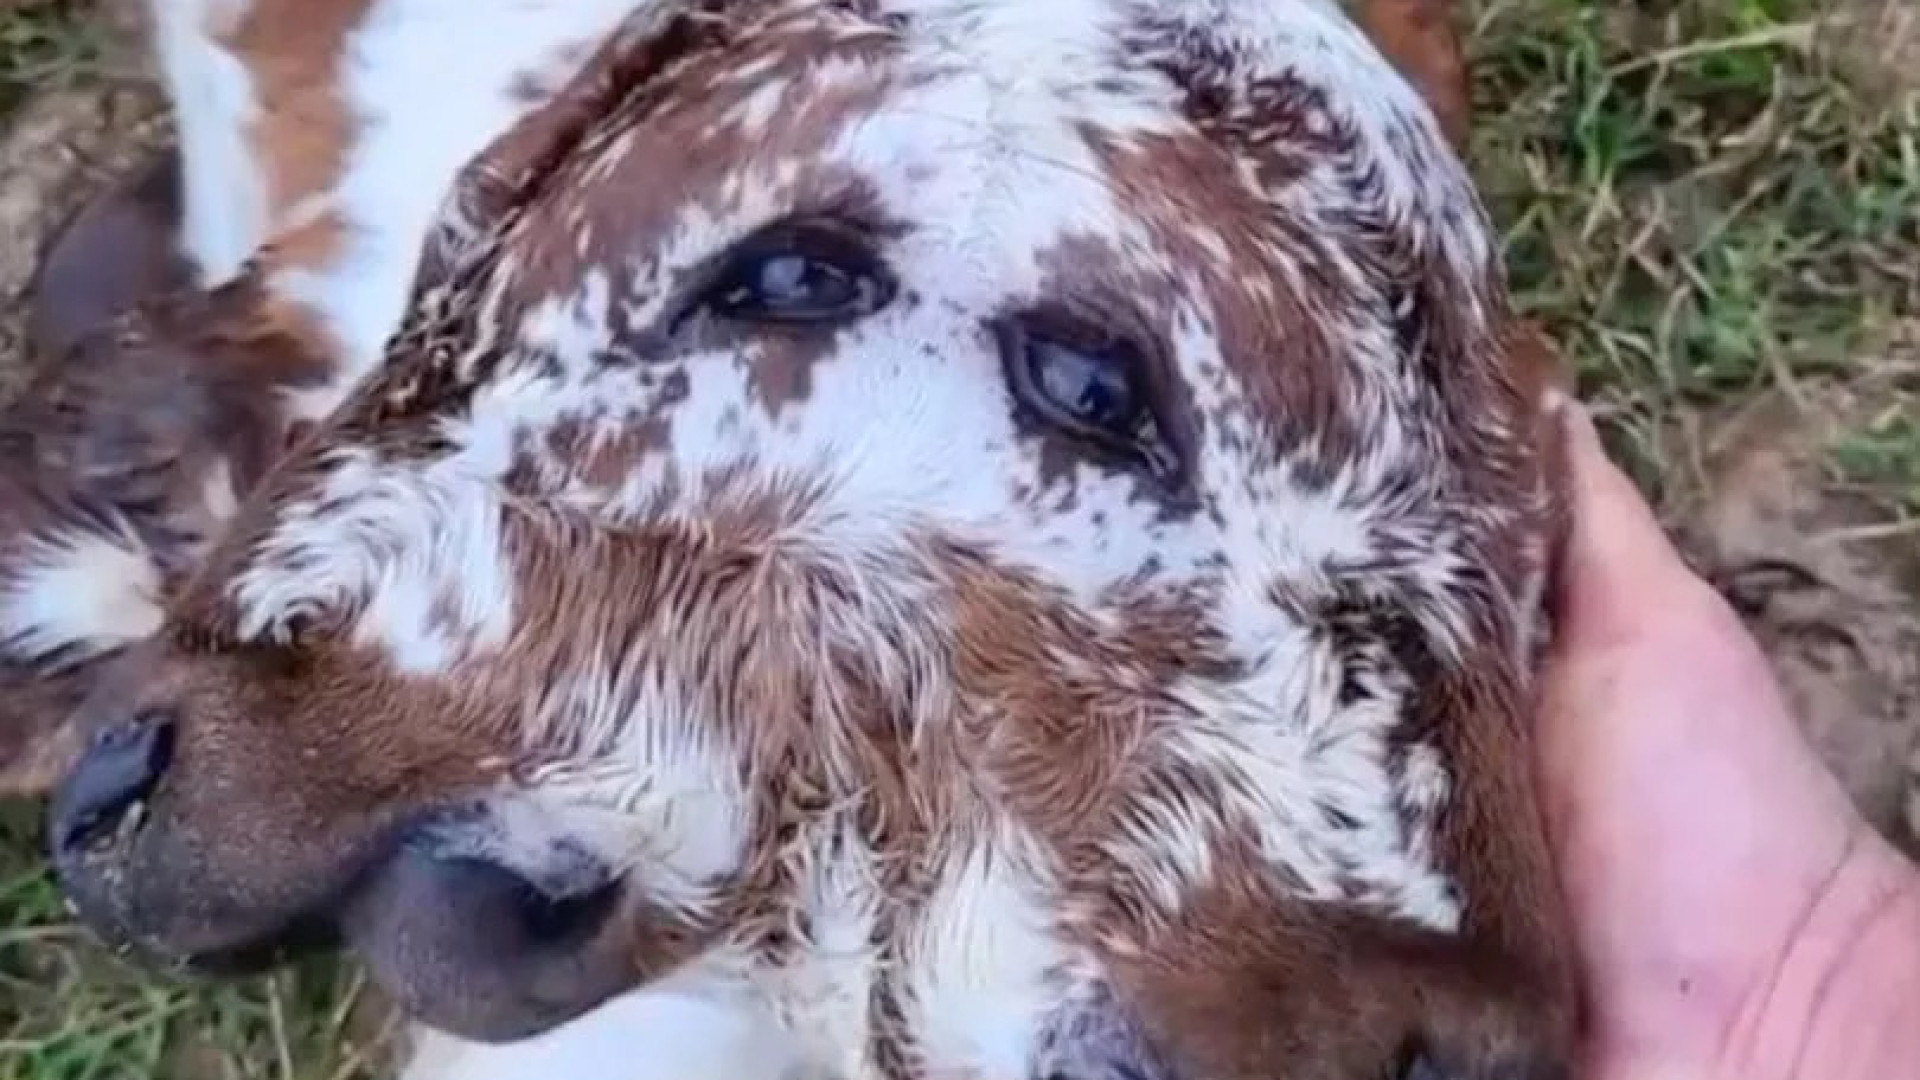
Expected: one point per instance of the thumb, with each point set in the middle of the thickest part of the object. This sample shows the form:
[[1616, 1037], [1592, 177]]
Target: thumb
[[1616, 556]]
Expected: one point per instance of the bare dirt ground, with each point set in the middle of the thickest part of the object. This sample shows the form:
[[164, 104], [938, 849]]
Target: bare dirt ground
[[1823, 578], [66, 133], [1715, 204]]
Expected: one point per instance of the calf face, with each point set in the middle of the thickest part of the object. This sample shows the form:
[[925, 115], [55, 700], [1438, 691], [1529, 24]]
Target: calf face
[[78, 576], [124, 454], [1001, 539]]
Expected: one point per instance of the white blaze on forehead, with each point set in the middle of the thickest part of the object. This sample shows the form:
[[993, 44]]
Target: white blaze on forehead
[[905, 423], [82, 589]]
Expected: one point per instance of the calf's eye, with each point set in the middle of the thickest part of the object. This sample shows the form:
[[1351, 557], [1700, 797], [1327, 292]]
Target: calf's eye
[[1092, 391], [1090, 386], [800, 273]]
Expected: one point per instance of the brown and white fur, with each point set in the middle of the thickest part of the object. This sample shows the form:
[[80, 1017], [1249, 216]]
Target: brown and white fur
[[186, 323], [647, 691]]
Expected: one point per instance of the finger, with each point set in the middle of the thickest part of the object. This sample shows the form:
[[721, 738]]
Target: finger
[[1618, 566]]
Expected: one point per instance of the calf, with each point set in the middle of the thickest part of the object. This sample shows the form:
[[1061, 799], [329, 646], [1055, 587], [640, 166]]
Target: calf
[[923, 538]]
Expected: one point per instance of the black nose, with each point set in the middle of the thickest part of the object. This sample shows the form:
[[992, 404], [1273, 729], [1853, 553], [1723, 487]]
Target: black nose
[[115, 774]]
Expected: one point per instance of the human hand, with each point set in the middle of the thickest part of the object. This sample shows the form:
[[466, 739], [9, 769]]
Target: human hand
[[1734, 916]]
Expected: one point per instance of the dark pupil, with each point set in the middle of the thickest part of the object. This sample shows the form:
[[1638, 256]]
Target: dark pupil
[[1090, 391], [795, 281]]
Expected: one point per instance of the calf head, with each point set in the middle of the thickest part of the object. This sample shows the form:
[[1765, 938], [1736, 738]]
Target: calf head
[[1006, 534], [124, 454]]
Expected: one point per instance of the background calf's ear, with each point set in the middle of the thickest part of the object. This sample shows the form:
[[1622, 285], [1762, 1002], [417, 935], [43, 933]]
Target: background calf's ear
[[117, 250]]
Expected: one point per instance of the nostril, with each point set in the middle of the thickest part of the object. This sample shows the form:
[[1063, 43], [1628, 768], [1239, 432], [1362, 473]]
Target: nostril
[[1420, 1067], [115, 774]]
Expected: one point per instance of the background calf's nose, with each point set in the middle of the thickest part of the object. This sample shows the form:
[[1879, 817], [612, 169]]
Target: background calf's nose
[[118, 770]]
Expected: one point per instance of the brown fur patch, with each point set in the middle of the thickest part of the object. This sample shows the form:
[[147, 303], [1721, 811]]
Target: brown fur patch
[[294, 50]]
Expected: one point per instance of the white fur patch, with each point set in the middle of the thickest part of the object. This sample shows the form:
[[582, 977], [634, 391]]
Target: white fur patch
[[483, 61], [223, 189], [984, 961], [1280, 775], [480, 60], [670, 1032], [823, 997], [663, 805], [81, 590]]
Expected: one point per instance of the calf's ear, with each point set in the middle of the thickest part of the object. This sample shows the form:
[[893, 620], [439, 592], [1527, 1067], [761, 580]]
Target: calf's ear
[[1546, 387], [119, 249], [1419, 38]]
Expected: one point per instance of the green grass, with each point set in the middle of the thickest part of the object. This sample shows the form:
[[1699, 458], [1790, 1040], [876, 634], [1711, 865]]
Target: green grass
[[68, 1011], [44, 43], [1703, 199]]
